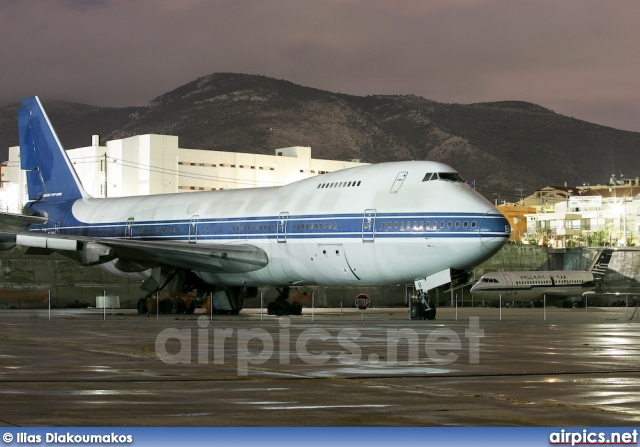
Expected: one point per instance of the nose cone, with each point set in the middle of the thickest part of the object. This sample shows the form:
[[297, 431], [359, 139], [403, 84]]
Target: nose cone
[[483, 290], [495, 230]]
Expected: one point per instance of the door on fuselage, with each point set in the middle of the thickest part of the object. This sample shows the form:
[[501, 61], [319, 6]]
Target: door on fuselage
[[128, 229], [281, 229], [368, 225], [193, 229], [509, 282], [397, 184]]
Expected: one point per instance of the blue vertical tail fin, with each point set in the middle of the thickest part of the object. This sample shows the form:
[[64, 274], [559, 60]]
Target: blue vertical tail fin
[[50, 174]]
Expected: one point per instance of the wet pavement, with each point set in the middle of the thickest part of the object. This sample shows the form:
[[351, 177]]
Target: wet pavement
[[578, 367]]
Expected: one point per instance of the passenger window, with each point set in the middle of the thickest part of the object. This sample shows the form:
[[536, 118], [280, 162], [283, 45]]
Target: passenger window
[[473, 224]]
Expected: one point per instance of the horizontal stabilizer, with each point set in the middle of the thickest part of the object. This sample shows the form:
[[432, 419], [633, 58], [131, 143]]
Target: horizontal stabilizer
[[21, 220]]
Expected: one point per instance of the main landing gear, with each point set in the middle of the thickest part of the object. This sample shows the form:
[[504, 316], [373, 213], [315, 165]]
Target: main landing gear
[[281, 305], [228, 300], [177, 300]]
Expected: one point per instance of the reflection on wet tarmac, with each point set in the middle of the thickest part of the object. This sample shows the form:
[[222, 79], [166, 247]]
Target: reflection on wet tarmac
[[530, 372]]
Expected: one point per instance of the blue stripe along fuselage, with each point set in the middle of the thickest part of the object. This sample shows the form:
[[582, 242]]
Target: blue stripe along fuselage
[[383, 225]]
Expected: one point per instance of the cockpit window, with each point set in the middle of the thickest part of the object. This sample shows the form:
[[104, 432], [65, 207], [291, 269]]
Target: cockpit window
[[450, 177], [428, 177], [446, 176], [491, 280]]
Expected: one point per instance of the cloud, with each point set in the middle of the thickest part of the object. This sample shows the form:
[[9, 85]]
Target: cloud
[[570, 56]]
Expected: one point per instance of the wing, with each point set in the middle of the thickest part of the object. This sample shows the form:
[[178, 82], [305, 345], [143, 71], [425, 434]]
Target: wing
[[217, 258]]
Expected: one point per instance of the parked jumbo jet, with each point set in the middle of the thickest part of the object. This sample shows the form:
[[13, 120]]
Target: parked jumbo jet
[[534, 284], [388, 223]]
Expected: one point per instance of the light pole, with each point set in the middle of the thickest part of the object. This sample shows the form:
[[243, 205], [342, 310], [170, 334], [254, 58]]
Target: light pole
[[624, 220], [520, 189]]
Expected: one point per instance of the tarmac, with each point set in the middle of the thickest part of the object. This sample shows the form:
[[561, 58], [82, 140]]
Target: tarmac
[[328, 367]]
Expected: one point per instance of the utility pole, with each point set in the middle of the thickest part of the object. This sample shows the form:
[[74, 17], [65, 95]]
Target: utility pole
[[106, 181]]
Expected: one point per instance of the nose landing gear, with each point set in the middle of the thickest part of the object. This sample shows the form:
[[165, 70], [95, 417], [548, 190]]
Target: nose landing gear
[[422, 308]]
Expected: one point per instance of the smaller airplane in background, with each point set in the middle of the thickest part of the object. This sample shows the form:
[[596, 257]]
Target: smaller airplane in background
[[530, 285]]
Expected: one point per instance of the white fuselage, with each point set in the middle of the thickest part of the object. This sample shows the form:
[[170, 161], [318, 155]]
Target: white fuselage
[[533, 284], [370, 225]]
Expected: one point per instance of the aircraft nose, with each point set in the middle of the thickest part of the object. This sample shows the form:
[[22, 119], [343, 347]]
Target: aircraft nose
[[494, 230]]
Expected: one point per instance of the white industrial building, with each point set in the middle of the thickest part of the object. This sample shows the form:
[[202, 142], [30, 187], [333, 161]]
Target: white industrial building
[[154, 164]]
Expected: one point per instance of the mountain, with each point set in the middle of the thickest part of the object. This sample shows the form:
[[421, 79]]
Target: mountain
[[501, 145]]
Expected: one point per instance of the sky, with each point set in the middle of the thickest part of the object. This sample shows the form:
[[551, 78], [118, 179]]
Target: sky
[[576, 57]]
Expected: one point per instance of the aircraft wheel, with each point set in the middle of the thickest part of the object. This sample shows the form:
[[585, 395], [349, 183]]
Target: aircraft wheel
[[296, 309], [416, 310], [165, 306], [272, 308], [142, 306], [190, 307]]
